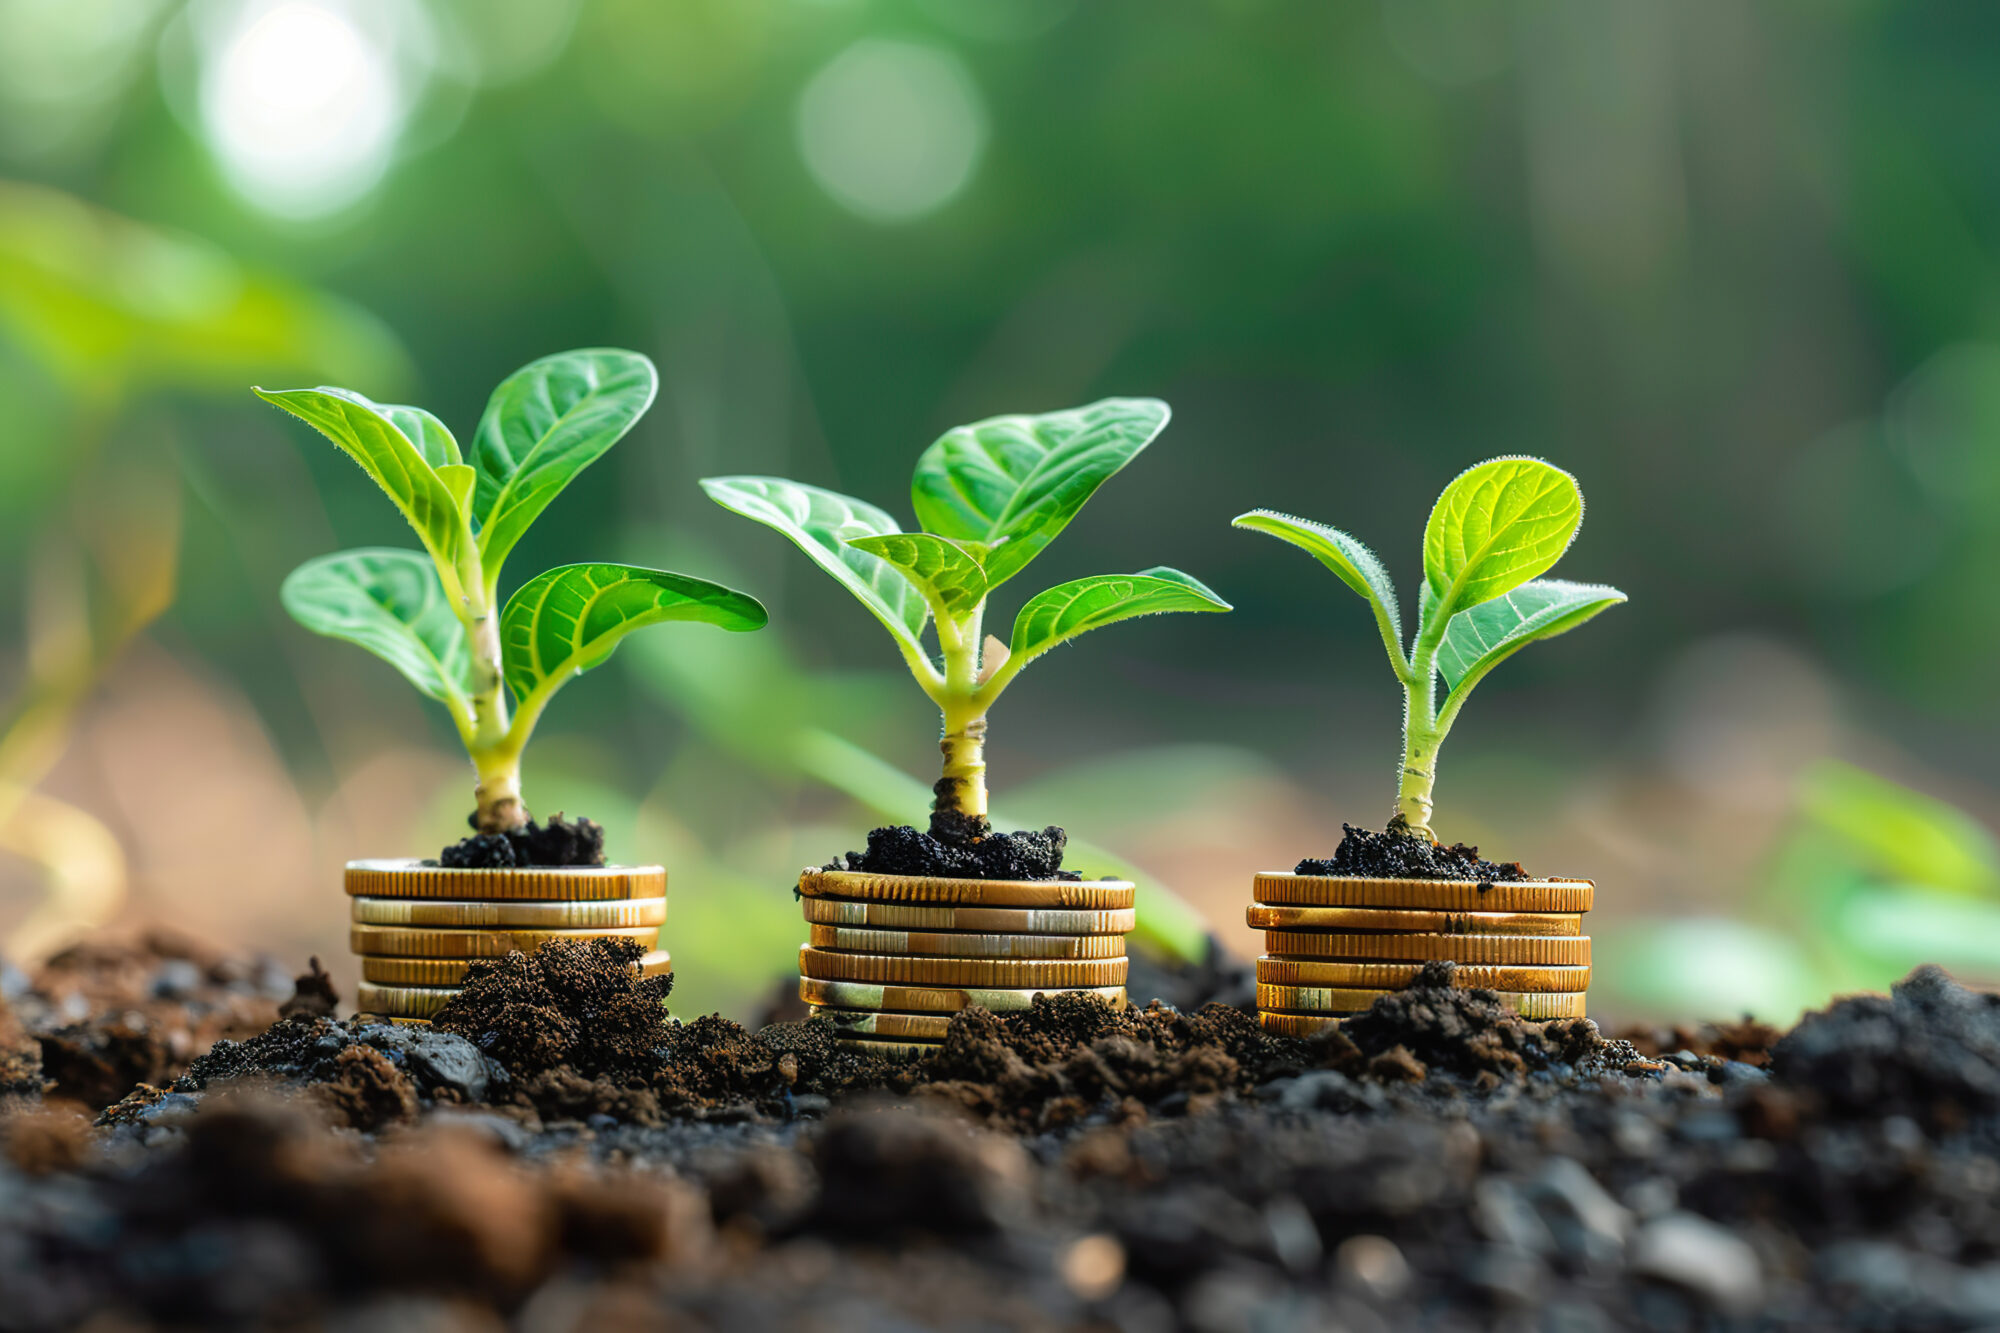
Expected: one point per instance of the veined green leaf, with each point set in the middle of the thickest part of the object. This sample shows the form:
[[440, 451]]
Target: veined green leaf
[[1496, 526], [1073, 608], [547, 422], [459, 479], [565, 622], [1023, 478], [385, 453], [423, 430], [949, 574], [391, 603], [1481, 637], [822, 524], [1353, 563]]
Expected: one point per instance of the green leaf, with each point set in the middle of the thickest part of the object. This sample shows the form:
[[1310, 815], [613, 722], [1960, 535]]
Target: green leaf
[[1496, 526], [1073, 608], [822, 524], [547, 422], [950, 574], [459, 479], [386, 454], [1479, 639], [1021, 479], [563, 623], [424, 431], [391, 603], [1353, 563]]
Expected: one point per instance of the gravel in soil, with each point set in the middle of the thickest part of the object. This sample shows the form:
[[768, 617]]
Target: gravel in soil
[[1437, 1163], [970, 852], [1370, 855], [560, 842]]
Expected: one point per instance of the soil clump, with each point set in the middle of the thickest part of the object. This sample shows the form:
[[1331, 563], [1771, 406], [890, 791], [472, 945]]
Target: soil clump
[[974, 852], [561, 842], [1370, 855]]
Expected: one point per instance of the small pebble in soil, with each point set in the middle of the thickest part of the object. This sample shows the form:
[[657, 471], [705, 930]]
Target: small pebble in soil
[[560, 842], [1372, 855]]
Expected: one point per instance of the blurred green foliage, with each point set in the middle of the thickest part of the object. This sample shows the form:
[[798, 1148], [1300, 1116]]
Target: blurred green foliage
[[1734, 266]]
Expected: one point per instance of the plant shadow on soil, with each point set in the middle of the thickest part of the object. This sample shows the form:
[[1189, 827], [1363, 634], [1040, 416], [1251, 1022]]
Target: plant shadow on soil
[[555, 1154]]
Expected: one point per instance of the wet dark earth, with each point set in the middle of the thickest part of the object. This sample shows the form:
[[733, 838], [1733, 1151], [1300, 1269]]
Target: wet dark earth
[[554, 1156], [1393, 855]]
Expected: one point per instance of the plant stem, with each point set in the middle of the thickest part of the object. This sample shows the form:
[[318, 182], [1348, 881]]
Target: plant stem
[[496, 753], [959, 807], [1422, 735]]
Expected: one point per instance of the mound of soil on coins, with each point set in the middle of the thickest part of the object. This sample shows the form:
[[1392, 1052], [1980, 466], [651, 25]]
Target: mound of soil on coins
[[1064, 1168], [560, 842], [1372, 855], [978, 854]]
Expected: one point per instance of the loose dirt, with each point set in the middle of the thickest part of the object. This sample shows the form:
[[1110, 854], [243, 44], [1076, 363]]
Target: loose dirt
[[1398, 856], [973, 853], [1435, 1163], [560, 842]]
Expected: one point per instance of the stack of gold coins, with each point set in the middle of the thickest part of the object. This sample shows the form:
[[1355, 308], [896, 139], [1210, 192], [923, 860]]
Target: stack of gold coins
[[418, 928], [1334, 944], [891, 958]]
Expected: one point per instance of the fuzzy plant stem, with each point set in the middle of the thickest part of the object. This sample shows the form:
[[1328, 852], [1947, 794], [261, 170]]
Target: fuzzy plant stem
[[1423, 733]]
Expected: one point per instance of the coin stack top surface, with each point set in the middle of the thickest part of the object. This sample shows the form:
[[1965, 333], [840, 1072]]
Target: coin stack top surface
[[419, 928], [1334, 944], [890, 958]]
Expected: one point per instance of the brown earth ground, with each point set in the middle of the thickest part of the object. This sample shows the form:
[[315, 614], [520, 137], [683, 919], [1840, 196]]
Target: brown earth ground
[[556, 1155]]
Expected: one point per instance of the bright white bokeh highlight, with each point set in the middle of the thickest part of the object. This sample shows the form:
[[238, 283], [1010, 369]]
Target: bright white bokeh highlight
[[302, 101], [892, 129]]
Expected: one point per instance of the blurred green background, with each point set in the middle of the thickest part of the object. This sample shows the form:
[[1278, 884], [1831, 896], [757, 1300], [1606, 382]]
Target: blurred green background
[[1735, 265]]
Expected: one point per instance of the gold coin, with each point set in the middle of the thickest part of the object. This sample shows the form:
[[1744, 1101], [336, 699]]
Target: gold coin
[[951, 945], [402, 1001], [909, 970], [1446, 895], [1086, 894], [867, 1023], [1558, 951], [413, 879], [941, 999], [1348, 1000], [451, 971], [1296, 1025], [895, 1050], [1395, 976], [552, 916], [409, 942], [1279, 916], [995, 920]]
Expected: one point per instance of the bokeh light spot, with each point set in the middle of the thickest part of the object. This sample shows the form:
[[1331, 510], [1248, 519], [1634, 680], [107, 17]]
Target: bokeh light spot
[[892, 129], [302, 101]]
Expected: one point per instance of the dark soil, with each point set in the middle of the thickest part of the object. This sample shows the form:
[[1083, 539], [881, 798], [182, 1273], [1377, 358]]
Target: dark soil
[[560, 842], [1435, 1164], [903, 850], [1373, 855]]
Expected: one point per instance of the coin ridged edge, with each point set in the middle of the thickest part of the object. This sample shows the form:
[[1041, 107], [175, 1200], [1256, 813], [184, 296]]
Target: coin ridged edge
[[1411, 947], [526, 914], [391, 971], [413, 879], [895, 997], [1532, 895], [1310, 1000], [863, 914], [919, 970], [475, 941], [939, 891], [1552, 979], [1410, 920], [967, 944]]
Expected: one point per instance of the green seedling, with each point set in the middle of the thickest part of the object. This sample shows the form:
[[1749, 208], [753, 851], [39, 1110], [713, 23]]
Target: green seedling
[[989, 498], [436, 616], [1494, 530]]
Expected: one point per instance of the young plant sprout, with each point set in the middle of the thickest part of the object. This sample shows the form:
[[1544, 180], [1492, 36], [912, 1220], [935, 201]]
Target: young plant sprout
[[989, 497], [436, 617], [1494, 530]]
